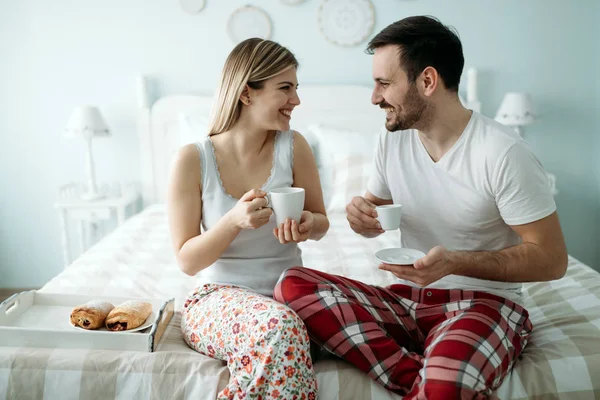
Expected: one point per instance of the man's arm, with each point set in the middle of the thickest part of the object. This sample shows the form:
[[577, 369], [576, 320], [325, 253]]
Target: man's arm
[[542, 256], [376, 200]]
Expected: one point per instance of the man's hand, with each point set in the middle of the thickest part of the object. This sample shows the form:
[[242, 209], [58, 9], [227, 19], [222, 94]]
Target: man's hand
[[431, 268], [361, 215]]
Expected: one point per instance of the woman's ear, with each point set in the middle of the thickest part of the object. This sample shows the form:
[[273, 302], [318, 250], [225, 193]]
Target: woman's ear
[[245, 96]]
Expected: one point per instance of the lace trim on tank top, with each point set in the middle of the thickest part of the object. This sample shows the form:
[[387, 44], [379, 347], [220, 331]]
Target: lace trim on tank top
[[269, 179]]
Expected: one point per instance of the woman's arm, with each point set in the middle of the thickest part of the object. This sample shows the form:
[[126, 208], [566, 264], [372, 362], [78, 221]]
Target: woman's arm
[[306, 176], [194, 251]]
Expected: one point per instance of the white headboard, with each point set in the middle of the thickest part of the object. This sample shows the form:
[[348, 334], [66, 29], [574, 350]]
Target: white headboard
[[341, 106], [158, 135]]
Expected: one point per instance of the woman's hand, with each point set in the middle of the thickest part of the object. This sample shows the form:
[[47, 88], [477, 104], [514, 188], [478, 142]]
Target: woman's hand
[[290, 231], [251, 211]]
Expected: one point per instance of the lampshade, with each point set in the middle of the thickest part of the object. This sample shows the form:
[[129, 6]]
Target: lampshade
[[516, 110], [86, 120]]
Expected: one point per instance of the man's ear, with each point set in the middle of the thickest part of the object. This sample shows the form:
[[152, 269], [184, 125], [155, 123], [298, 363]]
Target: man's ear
[[245, 96], [429, 81]]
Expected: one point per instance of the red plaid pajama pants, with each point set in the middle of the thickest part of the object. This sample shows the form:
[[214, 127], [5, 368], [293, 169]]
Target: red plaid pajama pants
[[420, 343]]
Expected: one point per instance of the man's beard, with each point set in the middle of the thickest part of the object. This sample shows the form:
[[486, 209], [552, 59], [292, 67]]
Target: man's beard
[[413, 110]]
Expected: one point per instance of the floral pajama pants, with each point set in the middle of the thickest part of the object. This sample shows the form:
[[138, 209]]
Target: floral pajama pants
[[264, 343], [420, 343]]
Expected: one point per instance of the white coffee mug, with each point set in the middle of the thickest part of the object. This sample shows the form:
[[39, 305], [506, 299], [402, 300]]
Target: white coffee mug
[[286, 203], [389, 216]]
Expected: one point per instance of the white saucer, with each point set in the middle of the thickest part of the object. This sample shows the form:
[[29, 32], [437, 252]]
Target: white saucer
[[399, 256], [149, 321]]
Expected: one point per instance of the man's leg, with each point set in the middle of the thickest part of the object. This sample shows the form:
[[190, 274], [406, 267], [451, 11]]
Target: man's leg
[[363, 324], [468, 355]]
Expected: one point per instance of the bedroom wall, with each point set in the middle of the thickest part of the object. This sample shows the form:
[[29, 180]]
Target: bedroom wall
[[55, 55], [596, 156], [597, 113]]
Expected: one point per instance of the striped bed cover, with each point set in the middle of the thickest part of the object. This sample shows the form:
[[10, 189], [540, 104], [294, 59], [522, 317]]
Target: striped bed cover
[[562, 360]]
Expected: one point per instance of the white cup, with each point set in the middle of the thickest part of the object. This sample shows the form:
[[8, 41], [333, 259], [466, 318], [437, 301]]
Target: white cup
[[286, 203], [389, 216]]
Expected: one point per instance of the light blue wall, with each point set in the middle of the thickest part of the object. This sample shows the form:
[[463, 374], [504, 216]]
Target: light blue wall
[[597, 112], [57, 54]]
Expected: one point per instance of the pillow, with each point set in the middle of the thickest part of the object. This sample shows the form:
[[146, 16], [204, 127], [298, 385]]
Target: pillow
[[192, 128], [332, 145], [312, 141], [351, 174]]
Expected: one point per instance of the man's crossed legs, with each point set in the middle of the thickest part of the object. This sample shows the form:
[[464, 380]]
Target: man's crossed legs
[[420, 343]]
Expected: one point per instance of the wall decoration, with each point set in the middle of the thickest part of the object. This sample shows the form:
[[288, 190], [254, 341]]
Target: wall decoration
[[248, 21], [292, 2], [346, 22], [192, 6]]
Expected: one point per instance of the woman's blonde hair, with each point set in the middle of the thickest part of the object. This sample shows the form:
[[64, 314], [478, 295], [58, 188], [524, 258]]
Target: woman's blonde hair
[[251, 62]]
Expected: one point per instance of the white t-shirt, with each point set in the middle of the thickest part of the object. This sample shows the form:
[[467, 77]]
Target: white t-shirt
[[488, 180]]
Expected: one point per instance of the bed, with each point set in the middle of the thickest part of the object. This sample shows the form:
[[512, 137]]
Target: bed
[[562, 360]]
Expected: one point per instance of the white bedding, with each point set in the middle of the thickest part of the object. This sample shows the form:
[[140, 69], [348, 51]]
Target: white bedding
[[136, 260]]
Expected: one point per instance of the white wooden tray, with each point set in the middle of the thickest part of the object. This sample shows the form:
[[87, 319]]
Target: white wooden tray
[[34, 319]]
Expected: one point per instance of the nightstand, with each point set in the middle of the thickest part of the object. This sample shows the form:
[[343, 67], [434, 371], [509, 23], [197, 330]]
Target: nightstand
[[92, 216]]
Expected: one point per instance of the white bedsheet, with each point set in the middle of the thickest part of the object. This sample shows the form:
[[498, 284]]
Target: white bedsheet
[[136, 260]]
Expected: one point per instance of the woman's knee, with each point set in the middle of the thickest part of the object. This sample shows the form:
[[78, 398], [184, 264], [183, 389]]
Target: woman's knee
[[284, 326]]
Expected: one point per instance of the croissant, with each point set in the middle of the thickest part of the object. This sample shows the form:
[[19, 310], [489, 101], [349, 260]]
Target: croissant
[[91, 315], [128, 315]]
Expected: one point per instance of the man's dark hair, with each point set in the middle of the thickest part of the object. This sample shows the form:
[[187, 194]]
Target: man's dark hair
[[424, 42]]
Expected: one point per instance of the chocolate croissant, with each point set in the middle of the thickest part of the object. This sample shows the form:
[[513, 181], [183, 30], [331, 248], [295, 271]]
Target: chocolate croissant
[[91, 315], [128, 315]]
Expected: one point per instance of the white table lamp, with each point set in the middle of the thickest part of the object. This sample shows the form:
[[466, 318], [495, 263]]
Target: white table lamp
[[516, 110], [87, 122]]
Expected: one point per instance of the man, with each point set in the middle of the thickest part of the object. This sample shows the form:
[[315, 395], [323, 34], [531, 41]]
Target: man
[[475, 200]]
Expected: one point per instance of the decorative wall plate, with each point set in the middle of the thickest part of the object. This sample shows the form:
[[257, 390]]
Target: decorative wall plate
[[192, 6], [247, 22], [346, 22]]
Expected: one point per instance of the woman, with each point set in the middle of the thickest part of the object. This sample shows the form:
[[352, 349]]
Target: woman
[[220, 183]]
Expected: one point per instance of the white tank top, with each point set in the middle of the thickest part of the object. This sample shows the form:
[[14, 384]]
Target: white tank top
[[255, 259]]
